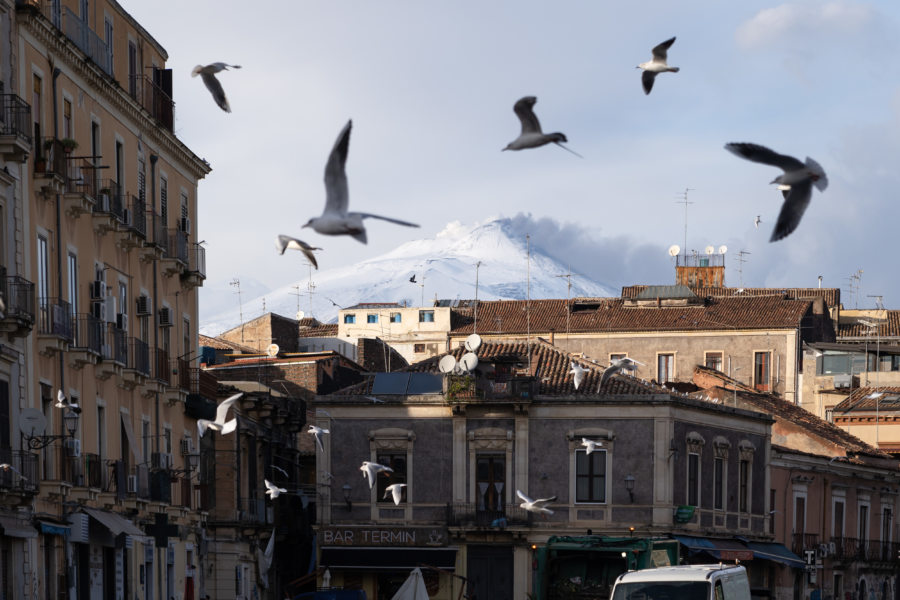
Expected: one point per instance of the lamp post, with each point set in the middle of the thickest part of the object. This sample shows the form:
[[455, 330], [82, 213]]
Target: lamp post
[[38, 442], [192, 461]]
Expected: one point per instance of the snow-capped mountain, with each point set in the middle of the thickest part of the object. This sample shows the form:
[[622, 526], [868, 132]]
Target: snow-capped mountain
[[444, 267]]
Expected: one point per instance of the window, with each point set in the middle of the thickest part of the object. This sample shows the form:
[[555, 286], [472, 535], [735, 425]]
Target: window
[[693, 480], [43, 283], [744, 486], [371, 318], [123, 300], [714, 360], [490, 481], [895, 362], [418, 348], [184, 205], [761, 361], [142, 178], [108, 31], [36, 92], [396, 461], [132, 69], [5, 442], [863, 520], [186, 336], [719, 483], [800, 516], [120, 167], [838, 585], [349, 319], [145, 438], [67, 131], [395, 317], [665, 368], [886, 523], [73, 282], [426, 316], [837, 524], [164, 200], [772, 511], [590, 476], [101, 431], [167, 439]]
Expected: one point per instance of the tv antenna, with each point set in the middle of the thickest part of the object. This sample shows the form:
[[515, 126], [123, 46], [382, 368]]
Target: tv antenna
[[236, 283], [879, 301], [310, 289], [297, 293], [528, 300], [684, 200], [475, 325], [741, 260], [568, 277]]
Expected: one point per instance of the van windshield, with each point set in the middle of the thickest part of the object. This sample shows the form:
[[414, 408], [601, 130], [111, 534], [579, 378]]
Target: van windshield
[[662, 590]]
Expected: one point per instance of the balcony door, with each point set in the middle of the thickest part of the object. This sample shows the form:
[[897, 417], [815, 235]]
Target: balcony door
[[490, 481]]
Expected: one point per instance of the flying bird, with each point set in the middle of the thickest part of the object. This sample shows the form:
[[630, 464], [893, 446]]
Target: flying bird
[[578, 371], [273, 490], [656, 65], [208, 75], [413, 278], [617, 366], [280, 470], [395, 490], [532, 136], [795, 183], [2, 307], [590, 445], [757, 221], [8, 467], [63, 402], [372, 469], [335, 220], [220, 424], [286, 242], [536, 506], [318, 432]]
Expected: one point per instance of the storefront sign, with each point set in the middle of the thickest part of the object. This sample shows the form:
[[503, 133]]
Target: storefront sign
[[737, 554], [383, 536]]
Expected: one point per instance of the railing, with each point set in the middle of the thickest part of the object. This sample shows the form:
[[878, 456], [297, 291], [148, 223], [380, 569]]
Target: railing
[[469, 515], [137, 216], [55, 317], [142, 475], [15, 117], [161, 370], [160, 232], [119, 339], [23, 471], [53, 154], [88, 333], [94, 471], [850, 549], [183, 369], [18, 293], [110, 199], [177, 247], [804, 541], [153, 99], [82, 178], [70, 467], [87, 41], [197, 262], [253, 510], [140, 356], [204, 383]]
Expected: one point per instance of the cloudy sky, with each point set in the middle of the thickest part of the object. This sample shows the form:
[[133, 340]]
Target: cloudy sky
[[430, 88]]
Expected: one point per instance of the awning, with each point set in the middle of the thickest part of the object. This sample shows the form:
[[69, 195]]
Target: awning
[[722, 549], [13, 527], [399, 559], [777, 553], [49, 528], [115, 523], [129, 434]]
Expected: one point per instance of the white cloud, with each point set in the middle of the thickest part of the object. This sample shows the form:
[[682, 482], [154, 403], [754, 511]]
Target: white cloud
[[801, 21]]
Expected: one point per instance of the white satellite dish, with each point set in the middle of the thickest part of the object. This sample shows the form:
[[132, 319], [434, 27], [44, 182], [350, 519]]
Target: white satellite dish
[[710, 250], [272, 350], [447, 364], [469, 361], [674, 249], [723, 249], [473, 342], [32, 422], [458, 369]]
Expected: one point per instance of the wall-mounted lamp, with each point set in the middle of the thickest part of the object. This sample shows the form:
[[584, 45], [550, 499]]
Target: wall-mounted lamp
[[192, 461], [629, 486], [347, 489], [37, 442]]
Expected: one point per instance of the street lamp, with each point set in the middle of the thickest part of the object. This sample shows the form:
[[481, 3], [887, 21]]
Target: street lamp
[[192, 461], [38, 442]]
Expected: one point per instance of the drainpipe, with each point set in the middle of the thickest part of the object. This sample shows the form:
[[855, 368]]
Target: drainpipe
[[161, 552]]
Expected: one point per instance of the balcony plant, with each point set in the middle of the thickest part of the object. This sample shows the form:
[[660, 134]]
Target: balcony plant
[[68, 144]]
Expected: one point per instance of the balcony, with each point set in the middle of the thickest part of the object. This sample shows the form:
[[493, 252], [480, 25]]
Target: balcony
[[78, 32], [470, 516], [195, 274], [19, 483], [154, 98], [253, 511], [80, 188], [872, 551], [137, 369], [179, 382], [801, 542], [115, 351], [87, 346], [50, 168], [55, 330], [156, 240], [175, 257], [109, 208], [15, 128], [18, 292], [131, 228]]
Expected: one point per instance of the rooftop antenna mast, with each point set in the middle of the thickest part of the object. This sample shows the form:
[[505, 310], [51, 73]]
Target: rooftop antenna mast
[[741, 260], [298, 294], [568, 277], [475, 326], [528, 301], [237, 284], [879, 301], [310, 288], [421, 284], [684, 200]]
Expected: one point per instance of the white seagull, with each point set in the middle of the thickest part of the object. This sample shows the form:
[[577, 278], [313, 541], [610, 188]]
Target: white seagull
[[578, 371], [9, 467], [617, 366], [757, 221], [372, 469], [273, 490], [532, 136], [395, 490], [335, 220], [63, 402], [591, 445], [537, 506], [208, 75], [795, 183], [286, 242], [656, 65], [220, 424], [318, 432]]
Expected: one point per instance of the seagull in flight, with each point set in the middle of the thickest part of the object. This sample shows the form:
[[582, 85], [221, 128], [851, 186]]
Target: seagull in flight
[[536, 506], [220, 424], [757, 221], [395, 490], [656, 65], [532, 136], [795, 183], [63, 402], [372, 469], [280, 470], [590, 445], [286, 242], [578, 371], [273, 490], [208, 75], [617, 366], [8, 467], [335, 220], [318, 432]]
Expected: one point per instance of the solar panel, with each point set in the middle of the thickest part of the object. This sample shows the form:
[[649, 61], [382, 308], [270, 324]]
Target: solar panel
[[425, 383], [390, 383]]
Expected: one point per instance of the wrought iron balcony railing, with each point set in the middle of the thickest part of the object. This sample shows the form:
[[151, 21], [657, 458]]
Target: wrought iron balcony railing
[[55, 318], [471, 515], [15, 117], [19, 295]]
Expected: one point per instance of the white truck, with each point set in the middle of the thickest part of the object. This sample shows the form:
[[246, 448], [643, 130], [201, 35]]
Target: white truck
[[684, 582]]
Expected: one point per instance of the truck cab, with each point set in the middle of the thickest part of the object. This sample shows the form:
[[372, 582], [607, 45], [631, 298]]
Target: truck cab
[[684, 582]]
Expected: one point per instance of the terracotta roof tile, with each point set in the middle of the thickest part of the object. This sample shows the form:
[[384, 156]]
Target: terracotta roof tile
[[863, 399], [220, 344], [890, 328], [330, 330], [832, 296]]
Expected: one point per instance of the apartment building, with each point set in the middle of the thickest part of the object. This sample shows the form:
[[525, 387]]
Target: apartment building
[[101, 224]]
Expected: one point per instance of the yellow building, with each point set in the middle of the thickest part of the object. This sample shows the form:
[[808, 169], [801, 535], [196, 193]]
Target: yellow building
[[99, 226]]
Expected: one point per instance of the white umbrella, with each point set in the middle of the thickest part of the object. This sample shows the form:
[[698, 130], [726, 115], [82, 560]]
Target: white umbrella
[[413, 588]]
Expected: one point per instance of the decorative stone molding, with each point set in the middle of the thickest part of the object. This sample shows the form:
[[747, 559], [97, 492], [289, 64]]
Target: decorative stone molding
[[721, 447], [747, 450], [490, 438], [391, 438], [695, 443]]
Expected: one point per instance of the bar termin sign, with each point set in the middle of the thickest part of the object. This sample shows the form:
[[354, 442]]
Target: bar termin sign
[[383, 536]]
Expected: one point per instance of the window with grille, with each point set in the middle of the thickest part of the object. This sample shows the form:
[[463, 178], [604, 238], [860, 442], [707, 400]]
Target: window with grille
[[590, 476]]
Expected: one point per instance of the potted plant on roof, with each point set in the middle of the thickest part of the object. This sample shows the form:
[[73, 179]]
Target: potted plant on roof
[[68, 145]]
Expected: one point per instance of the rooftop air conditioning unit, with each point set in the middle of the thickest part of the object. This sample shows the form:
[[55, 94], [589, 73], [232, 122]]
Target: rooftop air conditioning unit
[[842, 381]]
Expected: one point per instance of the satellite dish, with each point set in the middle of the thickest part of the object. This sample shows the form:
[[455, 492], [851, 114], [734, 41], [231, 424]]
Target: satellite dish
[[469, 361], [710, 250], [32, 422], [272, 350], [473, 342], [674, 249], [300, 315], [458, 369], [447, 364], [723, 249]]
